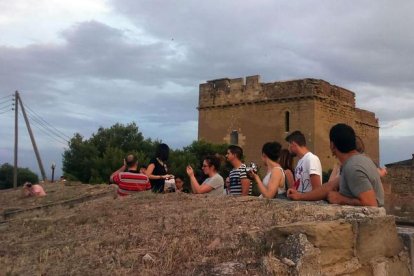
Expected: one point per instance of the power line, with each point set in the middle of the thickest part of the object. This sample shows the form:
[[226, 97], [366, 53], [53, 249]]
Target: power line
[[39, 127], [11, 95], [47, 130], [6, 111], [5, 105], [7, 101], [43, 120]]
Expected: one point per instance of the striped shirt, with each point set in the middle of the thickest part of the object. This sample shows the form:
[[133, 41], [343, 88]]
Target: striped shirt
[[236, 175]]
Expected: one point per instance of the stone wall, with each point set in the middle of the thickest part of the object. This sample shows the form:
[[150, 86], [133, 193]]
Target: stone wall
[[399, 190], [257, 111], [351, 247]]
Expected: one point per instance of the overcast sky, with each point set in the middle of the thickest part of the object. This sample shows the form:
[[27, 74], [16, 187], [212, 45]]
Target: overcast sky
[[92, 63]]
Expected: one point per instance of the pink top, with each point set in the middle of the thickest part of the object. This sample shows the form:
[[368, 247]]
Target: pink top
[[37, 190]]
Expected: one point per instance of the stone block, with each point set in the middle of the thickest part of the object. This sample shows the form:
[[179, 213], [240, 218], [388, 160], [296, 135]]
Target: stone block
[[305, 256], [407, 236], [335, 239], [377, 237]]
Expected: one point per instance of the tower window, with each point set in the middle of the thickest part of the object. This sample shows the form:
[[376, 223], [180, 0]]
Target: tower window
[[234, 137], [287, 121]]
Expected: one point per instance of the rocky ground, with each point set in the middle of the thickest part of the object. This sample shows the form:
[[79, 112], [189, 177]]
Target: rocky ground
[[181, 234]]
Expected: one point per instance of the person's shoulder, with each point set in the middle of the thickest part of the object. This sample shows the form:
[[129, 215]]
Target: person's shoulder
[[312, 156], [218, 176], [153, 160]]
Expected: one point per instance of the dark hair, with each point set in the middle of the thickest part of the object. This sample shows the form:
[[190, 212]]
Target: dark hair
[[286, 160], [272, 150], [360, 147], [179, 176], [296, 137], [131, 160], [213, 160], [162, 152], [343, 137], [236, 150]]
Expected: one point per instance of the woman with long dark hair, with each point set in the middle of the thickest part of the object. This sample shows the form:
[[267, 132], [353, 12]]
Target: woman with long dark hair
[[286, 161], [157, 170]]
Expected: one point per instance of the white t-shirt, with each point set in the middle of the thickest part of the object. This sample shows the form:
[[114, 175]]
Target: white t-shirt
[[307, 165]]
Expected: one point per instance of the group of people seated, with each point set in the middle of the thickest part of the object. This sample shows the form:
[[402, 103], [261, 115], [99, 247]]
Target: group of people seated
[[355, 181]]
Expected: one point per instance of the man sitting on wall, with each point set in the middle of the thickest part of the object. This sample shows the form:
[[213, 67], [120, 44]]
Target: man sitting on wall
[[359, 183], [129, 179]]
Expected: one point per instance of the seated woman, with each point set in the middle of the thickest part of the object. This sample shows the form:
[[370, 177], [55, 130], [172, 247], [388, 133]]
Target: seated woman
[[273, 184], [214, 184], [30, 189]]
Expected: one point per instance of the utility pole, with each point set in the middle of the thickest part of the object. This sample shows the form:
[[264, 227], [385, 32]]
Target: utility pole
[[39, 160], [16, 140]]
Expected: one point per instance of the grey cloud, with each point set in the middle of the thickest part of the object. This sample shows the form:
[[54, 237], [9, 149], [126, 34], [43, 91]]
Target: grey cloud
[[284, 39], [100, 74]]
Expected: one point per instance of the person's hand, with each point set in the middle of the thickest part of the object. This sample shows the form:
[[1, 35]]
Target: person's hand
[[382, 172], [293, 194], [168, 176], [334, 197], [252, 175], [190, 171]]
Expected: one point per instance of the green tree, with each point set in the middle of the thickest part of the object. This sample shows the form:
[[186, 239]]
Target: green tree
[[23, 175], [93, 160]]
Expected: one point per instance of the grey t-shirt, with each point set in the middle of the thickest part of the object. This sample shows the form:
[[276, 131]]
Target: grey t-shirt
[[359, 174], [217, 183]]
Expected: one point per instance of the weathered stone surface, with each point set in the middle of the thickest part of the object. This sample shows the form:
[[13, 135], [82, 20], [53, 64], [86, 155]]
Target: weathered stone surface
[[228, 268], [340, 268], [407, 236], [306, 256], [274, 266], [335, 239], [377, 237]]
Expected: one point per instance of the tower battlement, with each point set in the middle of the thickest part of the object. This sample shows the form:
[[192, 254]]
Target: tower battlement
[[226, 91]]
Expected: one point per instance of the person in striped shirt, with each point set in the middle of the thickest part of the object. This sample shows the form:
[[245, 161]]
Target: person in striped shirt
[[128, 179], [240, 184]]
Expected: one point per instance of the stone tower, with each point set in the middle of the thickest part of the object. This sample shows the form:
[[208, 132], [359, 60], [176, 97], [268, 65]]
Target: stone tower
[[250, 113]]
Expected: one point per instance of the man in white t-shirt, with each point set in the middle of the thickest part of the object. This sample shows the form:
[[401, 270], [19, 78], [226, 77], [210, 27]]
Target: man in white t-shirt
[[308, 171]]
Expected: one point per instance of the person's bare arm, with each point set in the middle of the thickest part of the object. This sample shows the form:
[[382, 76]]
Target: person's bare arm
[[334, 173], [315, 181], [195, 186], [319, 193], [150, 170], [290, 179], [121, 169], [367, 198], [245, 185]]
